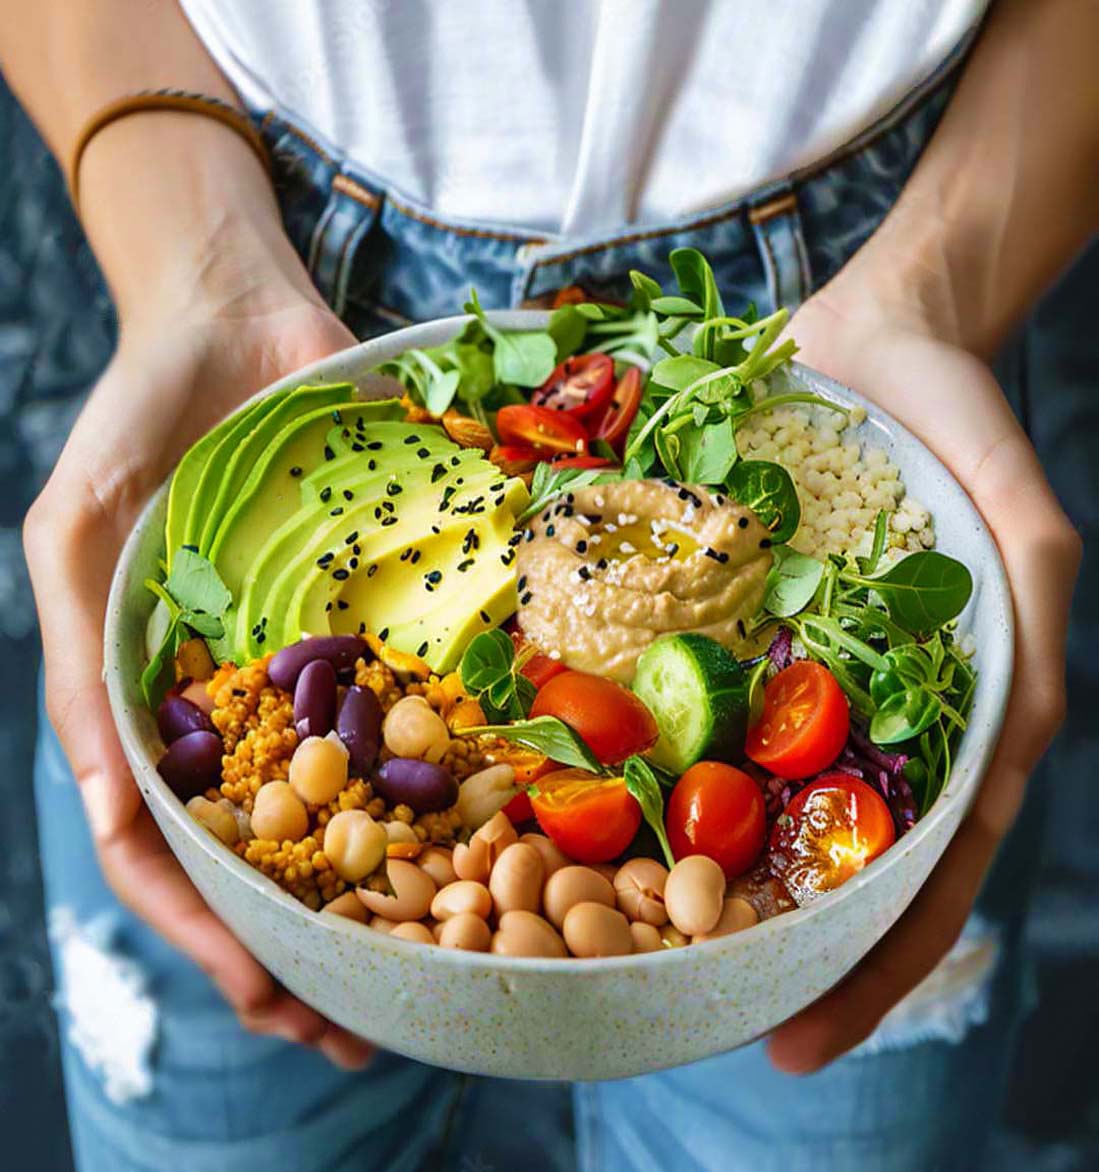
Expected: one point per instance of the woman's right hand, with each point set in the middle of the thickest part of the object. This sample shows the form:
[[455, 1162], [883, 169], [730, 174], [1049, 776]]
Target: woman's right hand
[[224, 313]]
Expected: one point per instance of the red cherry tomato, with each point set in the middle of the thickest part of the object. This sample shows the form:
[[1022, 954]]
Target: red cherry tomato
[[581, 385], [614, 424], [804, 725], [591, 818], [829, 832], [610, 718], [519, 808], [719, 811], [539, 669], [515, 459], [581, 462], [541, 428]]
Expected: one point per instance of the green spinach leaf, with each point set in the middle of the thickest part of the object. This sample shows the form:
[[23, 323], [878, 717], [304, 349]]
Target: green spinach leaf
[[792, 582], [769, 492]]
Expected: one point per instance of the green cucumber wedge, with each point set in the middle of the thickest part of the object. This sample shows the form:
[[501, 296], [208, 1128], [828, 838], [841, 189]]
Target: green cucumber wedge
[[698, 695]]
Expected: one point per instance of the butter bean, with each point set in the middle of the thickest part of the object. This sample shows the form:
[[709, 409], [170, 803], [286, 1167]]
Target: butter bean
[[572, 885], [694, 894], [381, 923], [736, 915], [216, 818], [607, 870], [522, 933], [516, 880], [646, 937], [413, 930], [412, 728], [464, 897], [355, 844], [639, 890], [553, 857], [485, 847], [413, 893], [347, 906], [468, 932], [279, 814], [594, 929], [318, 770], [485, 792], [400, 832], [437, 930], [436, 861]]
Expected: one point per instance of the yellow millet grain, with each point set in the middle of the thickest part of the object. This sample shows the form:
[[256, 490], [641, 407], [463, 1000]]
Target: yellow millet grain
[[464, 757], [356, 795], [438, 827], [301, 868], [380, 680]]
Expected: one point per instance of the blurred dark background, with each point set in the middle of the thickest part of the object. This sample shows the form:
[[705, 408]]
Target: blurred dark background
[[48, 281]]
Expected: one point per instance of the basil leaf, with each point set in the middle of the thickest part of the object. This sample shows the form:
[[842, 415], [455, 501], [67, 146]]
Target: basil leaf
[[676, 307], [567, 327], [642, 783], [525, 358], [548, 735], [769, 492], [905, 715], [708, 453], [487, 659], [645, 289], [792, 582], [923, 590], [196, 585]]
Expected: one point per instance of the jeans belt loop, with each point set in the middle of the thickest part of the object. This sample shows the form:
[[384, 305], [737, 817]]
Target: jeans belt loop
[[776, 223]]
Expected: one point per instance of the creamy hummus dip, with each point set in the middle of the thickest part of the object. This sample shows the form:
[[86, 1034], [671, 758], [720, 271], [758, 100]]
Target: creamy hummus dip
[[606, 569]]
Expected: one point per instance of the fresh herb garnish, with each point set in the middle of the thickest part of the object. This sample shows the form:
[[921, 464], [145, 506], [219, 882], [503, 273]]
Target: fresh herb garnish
[[792, 582], [490, 670], [642, 782], [768, 490], [524, 358], [548, 735], [549, 483]]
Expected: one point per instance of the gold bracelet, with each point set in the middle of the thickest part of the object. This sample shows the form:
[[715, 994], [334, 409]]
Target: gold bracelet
[[167, 99]]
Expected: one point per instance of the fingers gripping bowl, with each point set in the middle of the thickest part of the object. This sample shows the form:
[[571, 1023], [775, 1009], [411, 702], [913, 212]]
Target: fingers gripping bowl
[[555, 1016]]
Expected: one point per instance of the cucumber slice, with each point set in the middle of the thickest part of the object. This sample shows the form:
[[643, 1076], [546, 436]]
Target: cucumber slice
[[698, 695]]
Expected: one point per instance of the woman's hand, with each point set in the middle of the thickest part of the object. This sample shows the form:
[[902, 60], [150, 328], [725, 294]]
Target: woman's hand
[[176, 372], [950, 399]]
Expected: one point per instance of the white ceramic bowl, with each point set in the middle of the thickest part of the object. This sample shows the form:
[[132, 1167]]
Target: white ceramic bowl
[[575, 1019]]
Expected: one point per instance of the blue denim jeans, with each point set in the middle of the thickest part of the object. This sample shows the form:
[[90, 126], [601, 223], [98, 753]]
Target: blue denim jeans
[[159, 1074]]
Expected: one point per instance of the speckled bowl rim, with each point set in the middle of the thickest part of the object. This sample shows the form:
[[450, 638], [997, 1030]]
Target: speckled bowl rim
[[968, 770]]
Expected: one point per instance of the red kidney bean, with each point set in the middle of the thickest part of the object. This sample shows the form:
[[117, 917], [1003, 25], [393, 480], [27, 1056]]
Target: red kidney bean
[[176, 717], [424, 786], [315, 699], [340, 651], [359, 726], [192, 764]]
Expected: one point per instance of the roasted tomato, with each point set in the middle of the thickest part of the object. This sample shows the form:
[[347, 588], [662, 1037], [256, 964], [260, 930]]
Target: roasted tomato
[[719, 811], [539, 669], [610, 718], [582, 462], [529, 765], [614, 424], [829, 832], [804, 725], [549, 432], [515, 459], [582, 385], [591, 818]]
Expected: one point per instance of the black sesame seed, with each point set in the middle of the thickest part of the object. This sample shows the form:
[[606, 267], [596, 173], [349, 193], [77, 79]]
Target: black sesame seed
[[522, 583], [328, 453], [348, 495], [324, 559], [360, 424], [435, 529], [463, 566], [341, 575], [525, 599], [356, 549], [341, 604], [389, 506], [352, 537], [515, 538], [337, 416], [326, 494], [422, 649], [454, 461], [336, 512], [388, 521], [372, 570], [296, 470], [327, 607], [743, 522], [374, 446], [354, 563], [672, 549], [585, 573], [765, 543], [362, 628], [377, 512], [601, 564], [411, 439], [485, 618], [581, 547], [383, 634], [741, 631], [261, 637], [357, 447], [550, 530], [192, 548], [415, 556], [438, 472], [406, 554], [393, 489], [423, 453], [256, 629], [434, 576], [371, 465]]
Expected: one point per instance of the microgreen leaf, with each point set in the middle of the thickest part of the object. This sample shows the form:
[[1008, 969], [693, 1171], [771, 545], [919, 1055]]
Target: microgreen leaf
[[642, 782], [195, 584], [768, 491], [792, 582]]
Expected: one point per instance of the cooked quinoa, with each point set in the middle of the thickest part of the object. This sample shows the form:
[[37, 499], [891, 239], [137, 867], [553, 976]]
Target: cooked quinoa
[[841, 485]]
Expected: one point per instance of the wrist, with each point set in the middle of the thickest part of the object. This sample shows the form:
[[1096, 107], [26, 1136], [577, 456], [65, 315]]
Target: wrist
[[183, 220]]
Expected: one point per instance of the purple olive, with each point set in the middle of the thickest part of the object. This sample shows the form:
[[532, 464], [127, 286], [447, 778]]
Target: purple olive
[[315, 699], [340, 651], [419, 784], [176, 717], [360, 728], [192, 764]]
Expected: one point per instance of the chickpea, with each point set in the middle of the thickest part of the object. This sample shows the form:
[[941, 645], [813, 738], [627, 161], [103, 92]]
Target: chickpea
[[413, 891], [594, 929], [572, 885], [318, 770], [413, 930], [465, 897], [694, 894], [216, 818], [553, 857], [646, 938], [436, 861], [348, 906], [279, 814], [736, 915], [523, 933], [466, 931], [485, 792], [516, 880], [639, 890], [412, 728], [355, 844]]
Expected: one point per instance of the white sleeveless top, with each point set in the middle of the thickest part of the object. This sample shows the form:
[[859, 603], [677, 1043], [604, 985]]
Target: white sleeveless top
[[579, 116]]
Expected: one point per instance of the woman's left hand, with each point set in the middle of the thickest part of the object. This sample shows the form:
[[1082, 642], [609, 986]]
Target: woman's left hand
[[951, 400]]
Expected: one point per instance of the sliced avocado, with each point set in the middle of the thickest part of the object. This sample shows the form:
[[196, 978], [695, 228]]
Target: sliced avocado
[[190, 470], [270, 495], [224, 478]]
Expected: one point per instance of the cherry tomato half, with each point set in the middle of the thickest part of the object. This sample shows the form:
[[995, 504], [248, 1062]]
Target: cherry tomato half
[[539, 669], [804, 725], [582, 462], [829, 832], [540, 428], [614, 424], [591, 818], [515, 459], [581, 385], [610, 718], [719, 811]]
